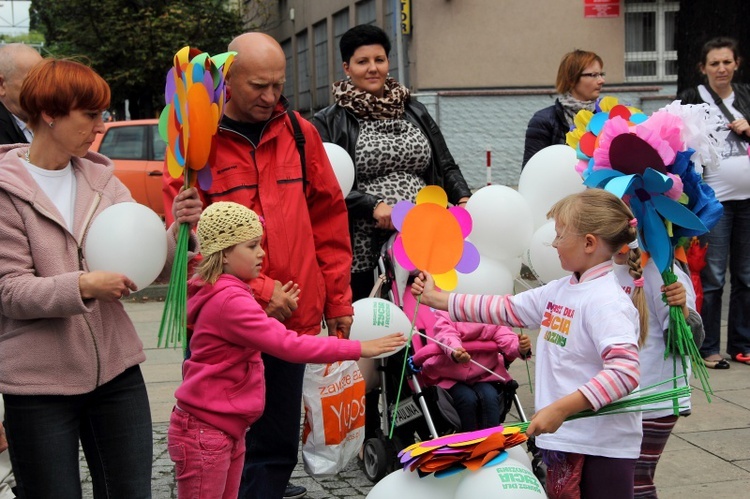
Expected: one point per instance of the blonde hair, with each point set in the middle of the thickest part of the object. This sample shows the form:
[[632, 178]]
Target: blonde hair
[[211, 267], [604, 215]]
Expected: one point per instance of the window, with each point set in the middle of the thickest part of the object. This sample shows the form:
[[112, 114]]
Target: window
[[366, 12], [303, 73], [160, 146], [125, 142], [340, 26], [322, 88], [650, 31], [286, 46]]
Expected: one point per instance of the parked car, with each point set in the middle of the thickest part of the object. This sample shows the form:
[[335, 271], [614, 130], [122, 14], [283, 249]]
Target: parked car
[[137, 151]]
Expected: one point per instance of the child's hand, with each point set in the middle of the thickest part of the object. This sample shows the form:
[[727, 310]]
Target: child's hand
[[460, 355], [676, 296], [292, 291], [424, 286], [524, 344], [547, 420], [373, 348]]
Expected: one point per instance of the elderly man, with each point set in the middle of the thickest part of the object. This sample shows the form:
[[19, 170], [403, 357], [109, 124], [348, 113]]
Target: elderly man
[[291, 184], [16, 59]]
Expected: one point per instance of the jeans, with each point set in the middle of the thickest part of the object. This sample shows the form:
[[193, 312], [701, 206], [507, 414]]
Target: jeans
[[728, 240], [113, 424], [273, 440], [207, 462], [478, 405]]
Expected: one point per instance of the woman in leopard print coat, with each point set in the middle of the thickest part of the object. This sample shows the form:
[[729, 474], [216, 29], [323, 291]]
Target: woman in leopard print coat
[[396, 146]]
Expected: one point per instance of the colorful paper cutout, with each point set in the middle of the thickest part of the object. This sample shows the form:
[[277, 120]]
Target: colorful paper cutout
[[432, 238]]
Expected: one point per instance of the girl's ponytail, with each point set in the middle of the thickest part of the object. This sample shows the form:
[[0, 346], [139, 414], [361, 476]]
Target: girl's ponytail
[[639, 295]]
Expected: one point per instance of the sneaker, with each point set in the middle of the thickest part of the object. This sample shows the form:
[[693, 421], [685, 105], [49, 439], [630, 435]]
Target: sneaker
[[294, 491]]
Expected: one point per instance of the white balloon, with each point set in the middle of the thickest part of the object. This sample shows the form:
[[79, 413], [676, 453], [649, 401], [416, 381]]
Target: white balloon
[[541, 257], [502, 222], [342, 164], [375, 318], [130, 239], [518, 453], [549, 176], [491, 277], [408, 485], [507, 480], [513, 264]]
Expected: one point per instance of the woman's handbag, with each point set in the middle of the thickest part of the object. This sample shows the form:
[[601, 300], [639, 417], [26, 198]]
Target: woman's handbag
[[334, 429]]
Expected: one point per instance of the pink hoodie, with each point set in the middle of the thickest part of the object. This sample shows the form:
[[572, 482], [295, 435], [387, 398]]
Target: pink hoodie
[[443, 371], [223, 382]]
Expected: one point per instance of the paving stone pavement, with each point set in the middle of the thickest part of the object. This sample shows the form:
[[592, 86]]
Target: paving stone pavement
[[707, 454]]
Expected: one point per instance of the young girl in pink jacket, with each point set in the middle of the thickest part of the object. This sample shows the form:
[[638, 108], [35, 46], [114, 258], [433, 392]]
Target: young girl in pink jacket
[[473, 389], [223, 389]]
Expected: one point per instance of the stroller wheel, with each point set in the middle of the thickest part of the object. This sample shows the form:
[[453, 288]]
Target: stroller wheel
[[375, 459]]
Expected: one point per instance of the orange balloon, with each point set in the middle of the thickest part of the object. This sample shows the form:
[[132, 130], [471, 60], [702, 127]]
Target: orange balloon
[[432, 238]]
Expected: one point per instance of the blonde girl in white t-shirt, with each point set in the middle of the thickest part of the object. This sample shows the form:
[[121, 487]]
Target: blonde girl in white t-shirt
[[587, 349]]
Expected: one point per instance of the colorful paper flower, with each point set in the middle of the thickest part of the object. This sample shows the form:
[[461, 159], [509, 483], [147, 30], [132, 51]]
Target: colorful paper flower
[[584, 136], [432, 238], [454, 453], [195, 93]]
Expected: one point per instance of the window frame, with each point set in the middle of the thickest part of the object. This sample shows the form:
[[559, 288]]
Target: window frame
[[660, 55]]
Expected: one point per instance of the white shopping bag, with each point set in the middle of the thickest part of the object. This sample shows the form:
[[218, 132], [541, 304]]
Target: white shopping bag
[[334, 429]]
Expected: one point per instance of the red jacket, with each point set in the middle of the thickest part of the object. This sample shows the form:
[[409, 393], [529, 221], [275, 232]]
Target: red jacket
[[306, 236]]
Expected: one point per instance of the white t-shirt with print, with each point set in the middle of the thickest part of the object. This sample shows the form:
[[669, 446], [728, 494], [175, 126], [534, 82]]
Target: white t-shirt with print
[[579, 321], [654, 367], [731, 181]]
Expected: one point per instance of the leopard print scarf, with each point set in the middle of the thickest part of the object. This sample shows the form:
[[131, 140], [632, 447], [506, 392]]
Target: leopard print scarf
[[365, 105]]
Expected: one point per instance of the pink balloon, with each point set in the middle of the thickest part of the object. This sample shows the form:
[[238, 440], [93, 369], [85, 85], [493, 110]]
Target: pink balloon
[[400, 253], [464, 219]]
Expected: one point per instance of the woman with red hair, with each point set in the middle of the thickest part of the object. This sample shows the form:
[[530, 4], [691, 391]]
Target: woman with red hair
[[69, 354]]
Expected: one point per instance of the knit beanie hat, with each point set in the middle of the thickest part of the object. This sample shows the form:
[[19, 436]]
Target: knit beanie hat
[[225, 224]]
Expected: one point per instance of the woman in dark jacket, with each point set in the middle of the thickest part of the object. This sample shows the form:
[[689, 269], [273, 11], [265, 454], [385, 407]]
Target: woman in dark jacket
[[579, 81], [729, 240], [397, 149], [396, 146]]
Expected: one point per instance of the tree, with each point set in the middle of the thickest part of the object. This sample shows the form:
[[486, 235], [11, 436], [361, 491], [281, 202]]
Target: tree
[[131, 43], [697, 23]]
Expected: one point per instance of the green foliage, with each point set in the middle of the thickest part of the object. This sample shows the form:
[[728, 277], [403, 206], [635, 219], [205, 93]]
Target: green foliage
[[132, 43], [30, 38]]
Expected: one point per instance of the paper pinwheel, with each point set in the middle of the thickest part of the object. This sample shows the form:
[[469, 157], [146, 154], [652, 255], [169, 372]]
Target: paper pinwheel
[[432, 238], [195, 93], [584, 136], [454, 453]]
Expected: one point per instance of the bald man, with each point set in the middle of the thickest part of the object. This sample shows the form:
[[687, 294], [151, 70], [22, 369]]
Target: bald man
[[258, 164], [16, 59]]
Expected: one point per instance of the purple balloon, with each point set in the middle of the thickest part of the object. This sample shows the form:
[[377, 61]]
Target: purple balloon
[[204, 178]]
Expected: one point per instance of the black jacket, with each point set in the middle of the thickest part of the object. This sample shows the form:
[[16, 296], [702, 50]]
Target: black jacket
[[546, 128], [741, 98], [341, 127], [10, 132]]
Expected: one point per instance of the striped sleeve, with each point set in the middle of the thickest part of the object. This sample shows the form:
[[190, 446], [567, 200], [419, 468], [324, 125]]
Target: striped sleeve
[[484, 308], [619, 377]]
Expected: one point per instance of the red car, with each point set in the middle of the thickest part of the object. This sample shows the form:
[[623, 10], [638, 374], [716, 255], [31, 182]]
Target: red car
[[137, 151]]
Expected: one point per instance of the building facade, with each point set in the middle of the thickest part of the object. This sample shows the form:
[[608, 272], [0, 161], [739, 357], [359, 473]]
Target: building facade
[[483, 67]]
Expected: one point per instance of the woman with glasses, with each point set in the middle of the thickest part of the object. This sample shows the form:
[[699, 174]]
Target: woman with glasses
[[729, 240], [579, 81]]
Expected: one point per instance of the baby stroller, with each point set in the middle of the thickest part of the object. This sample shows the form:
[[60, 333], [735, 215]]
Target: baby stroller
[[423, 412]]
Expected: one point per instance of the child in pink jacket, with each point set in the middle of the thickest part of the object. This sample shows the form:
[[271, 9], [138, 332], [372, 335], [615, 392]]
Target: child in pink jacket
[[475, 397], [223, 389]]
